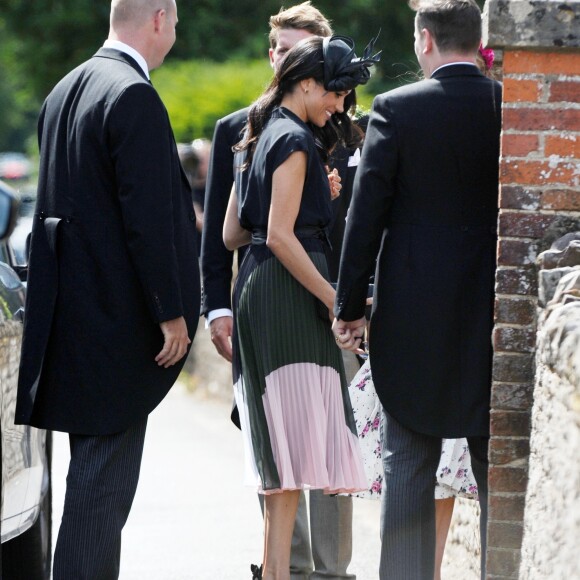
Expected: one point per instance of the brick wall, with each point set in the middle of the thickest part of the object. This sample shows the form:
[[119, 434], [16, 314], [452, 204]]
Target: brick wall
[[539, 202]]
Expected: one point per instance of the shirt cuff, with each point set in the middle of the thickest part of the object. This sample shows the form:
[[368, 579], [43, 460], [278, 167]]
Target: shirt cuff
[[213, 314]]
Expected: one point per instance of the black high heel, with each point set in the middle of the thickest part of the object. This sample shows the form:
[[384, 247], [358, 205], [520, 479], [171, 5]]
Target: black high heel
[[256, 572]]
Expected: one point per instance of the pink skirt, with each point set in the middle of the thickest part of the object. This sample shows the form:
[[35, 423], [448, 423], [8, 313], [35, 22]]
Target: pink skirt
[[311, 443]]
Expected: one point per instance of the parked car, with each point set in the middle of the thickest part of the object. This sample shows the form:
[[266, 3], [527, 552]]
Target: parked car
[[19, 238], [14, 166], [26, 489]]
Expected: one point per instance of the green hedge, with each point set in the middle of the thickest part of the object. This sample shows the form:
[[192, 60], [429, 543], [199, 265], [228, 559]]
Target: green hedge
[[198, 93]]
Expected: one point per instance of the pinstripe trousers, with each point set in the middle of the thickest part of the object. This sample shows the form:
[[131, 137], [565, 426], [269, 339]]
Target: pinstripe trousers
[[100, 486], [410, 462]]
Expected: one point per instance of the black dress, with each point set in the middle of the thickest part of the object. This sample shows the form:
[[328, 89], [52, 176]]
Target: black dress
[[288, 374]]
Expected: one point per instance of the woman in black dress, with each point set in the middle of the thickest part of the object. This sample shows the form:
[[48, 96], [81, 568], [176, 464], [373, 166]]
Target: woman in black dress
[[289, 379]]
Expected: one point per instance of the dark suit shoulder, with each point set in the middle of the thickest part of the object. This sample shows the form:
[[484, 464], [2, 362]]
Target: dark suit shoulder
[[235, 118], [406, 95], [101, 79], [230, 127], [142, 96], [117, 75]]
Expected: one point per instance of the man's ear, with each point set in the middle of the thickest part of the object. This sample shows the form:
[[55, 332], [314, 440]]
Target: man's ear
[[159, 19], [271, 56], [429, 41]]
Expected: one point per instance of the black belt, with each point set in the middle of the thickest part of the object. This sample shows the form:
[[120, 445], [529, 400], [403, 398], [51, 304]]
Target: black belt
[[259, 236]]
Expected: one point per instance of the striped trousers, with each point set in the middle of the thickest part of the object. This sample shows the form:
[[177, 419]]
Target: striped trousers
[[100, 487], [410, 462]]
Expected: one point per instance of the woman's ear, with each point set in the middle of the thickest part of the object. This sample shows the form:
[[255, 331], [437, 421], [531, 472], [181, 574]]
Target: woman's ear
[[305, 85]]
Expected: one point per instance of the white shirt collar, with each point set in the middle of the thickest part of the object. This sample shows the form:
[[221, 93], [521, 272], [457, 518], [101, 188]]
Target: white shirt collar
[[452, 64], [121, 46]]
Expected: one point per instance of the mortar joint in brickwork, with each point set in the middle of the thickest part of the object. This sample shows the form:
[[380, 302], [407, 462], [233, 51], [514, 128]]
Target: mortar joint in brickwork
[[558, 106], [514, 325]]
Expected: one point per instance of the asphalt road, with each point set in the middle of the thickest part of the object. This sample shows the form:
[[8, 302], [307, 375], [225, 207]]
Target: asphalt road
[[192, 518]]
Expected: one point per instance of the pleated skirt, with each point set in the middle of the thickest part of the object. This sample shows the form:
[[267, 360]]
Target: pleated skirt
[[289, 384]]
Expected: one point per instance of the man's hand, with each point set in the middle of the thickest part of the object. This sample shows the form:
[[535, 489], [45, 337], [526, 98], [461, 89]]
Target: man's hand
[[221, 333], [176, 341], [349, 335]]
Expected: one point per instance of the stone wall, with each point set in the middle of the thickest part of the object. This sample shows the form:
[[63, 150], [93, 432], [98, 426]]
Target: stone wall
[[552, 514], [539, 202]]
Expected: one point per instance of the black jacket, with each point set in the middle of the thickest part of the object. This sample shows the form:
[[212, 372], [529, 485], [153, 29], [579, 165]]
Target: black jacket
[[112, 254], [425, 201]]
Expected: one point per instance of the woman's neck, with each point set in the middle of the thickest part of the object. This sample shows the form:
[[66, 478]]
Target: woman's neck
[[295, 104]]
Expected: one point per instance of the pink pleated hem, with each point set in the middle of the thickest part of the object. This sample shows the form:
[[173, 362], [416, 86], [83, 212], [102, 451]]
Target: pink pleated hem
[[307, 488], [312, 445]]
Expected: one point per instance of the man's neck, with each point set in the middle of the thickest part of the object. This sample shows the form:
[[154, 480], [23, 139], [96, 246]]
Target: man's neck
[[124, 46], [445, 59], [135, 40]]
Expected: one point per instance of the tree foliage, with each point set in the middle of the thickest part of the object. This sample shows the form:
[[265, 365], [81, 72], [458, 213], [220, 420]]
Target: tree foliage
[[57, 35], [197, 93], [42, 40], [17, 100]]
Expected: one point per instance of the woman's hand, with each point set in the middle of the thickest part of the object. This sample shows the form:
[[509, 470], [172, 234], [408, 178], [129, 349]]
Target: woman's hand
[[349, 335], [334, 180]]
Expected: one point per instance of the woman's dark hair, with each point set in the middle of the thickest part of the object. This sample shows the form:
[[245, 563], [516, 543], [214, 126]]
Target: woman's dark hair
[[339, 129], [303, 61]]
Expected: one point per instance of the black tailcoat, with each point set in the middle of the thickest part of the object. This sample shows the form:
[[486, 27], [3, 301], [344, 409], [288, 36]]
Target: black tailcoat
[[113, 253], [425, 200]]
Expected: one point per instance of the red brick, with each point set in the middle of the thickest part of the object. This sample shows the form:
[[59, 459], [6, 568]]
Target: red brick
[[510, 339], [518, 197], [512, 396], [513, 368], [518, 145], [529, 62], [561, 199], [515, 90], [522, 281], [563, 146], [506, 450], [541, 119], [517, 252], [564, 92], [505, 535], [507, 508], [537, 172], [503, 563], [505, 423], [508, 479], [515, 310], [524, 224]]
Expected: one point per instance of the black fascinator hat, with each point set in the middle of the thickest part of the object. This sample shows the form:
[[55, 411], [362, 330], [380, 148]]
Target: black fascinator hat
[[343, 70]]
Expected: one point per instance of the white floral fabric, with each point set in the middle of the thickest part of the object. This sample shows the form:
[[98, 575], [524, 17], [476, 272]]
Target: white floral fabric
[[454, 476]]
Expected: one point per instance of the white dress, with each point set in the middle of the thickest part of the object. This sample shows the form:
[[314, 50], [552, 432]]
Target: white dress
[[454, 476]]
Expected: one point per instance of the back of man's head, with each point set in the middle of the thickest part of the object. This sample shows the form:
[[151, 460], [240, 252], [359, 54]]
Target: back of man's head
[[134, 13], [454, 24], [300, 17]]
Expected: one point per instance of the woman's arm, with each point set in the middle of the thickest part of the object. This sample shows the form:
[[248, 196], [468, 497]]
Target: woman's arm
[[234, 234], [287, 184]]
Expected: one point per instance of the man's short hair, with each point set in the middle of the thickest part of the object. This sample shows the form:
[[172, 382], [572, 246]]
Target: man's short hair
[[300, 17], [454, 24], [135, 12]]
